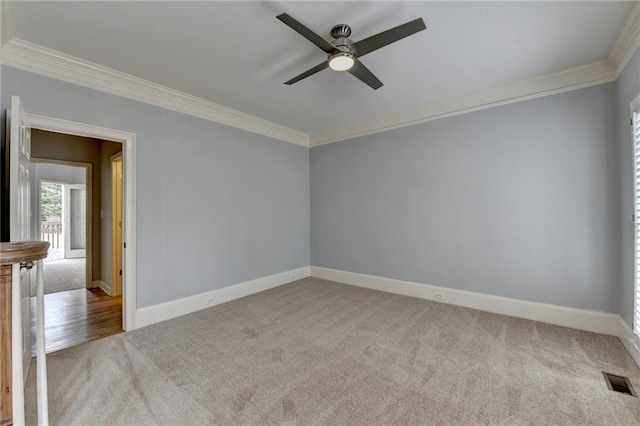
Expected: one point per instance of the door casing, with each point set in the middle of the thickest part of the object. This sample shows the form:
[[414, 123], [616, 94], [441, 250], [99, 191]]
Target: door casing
[[128, 141]]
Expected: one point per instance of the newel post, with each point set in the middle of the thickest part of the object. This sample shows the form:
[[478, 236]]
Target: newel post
[[23, 254]]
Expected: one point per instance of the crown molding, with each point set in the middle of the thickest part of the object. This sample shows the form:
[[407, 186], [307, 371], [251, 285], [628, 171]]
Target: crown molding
[[563, 81], [627, 42], [30, 57]]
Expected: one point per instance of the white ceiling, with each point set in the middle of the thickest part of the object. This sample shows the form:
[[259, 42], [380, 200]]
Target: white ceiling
[[238, 54]]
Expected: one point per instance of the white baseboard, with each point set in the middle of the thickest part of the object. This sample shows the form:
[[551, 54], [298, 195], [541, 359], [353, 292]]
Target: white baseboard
[[626, 337], [164, 311], [581, 319], [102, 285]]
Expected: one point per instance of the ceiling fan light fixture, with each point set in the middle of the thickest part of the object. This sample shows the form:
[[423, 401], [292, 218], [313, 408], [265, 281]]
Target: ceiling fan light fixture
[[343, 53], [341, 61]]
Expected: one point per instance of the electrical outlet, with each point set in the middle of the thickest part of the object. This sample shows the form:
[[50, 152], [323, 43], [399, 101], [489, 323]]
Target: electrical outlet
[[209, 301], [438, 296]]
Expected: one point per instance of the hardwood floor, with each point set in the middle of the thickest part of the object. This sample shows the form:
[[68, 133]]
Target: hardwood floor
[[77, 316]]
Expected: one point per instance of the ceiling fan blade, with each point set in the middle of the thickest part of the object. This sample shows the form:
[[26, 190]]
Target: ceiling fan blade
[[384, 38], [307, 33], [307, 73], [366, 76]]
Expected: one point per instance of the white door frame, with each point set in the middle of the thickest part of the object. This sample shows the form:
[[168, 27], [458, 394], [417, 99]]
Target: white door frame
[[128, 140]]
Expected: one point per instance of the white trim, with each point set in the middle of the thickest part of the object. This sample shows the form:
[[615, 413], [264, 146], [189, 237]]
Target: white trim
[[102, 286], [31, 57], [175, 308], [42, 396], [128, 151], [58, 125], [627, 42], [550, 84], [18, 378], [626, 337], [597, 322], [37, 59]]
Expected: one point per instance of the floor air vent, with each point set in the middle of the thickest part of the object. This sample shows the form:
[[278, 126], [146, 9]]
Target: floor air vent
[[619, 384]]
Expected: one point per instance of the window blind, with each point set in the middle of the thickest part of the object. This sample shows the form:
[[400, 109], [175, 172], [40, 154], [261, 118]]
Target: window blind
[[636, 177], [78, 206]]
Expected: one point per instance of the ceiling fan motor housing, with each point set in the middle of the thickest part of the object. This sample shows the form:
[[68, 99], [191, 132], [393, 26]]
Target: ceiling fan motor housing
[[341, 30], [341, 33]]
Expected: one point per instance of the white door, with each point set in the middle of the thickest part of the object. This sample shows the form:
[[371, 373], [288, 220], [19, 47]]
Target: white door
[[20, 209], [74, 227]]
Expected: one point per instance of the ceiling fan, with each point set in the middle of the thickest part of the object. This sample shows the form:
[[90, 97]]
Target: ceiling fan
[[343, 54]]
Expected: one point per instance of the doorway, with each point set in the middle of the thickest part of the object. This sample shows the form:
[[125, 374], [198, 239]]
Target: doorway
[[62, 208], [75, 204], [127, 140]]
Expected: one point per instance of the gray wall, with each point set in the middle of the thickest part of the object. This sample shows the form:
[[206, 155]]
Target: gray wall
[[520, 201], [627, 88], [215, 205]]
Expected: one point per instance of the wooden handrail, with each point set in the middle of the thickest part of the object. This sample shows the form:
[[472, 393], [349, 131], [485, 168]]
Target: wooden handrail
[[26, 251], [22, 254]]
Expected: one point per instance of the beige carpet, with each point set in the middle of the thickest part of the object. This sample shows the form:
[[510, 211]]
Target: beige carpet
[[61, 275], [317, 352]]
